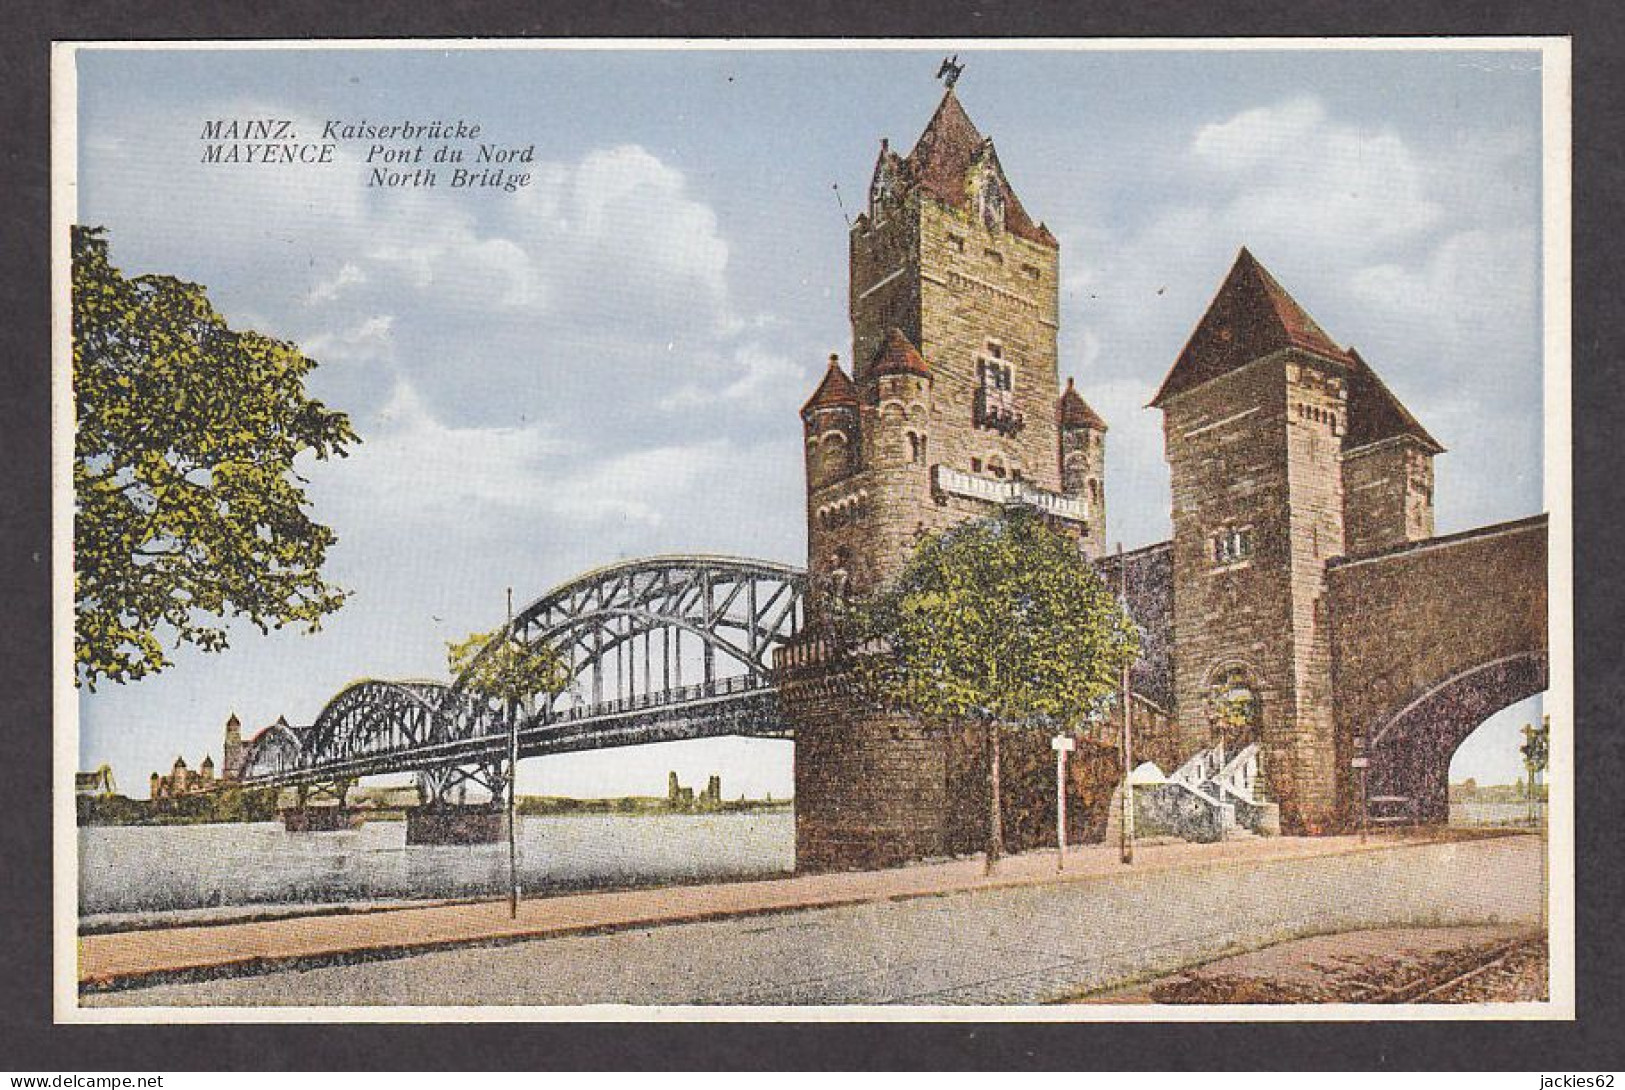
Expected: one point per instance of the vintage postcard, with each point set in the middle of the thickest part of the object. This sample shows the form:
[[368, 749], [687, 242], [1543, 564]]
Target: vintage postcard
[[1026, 530]]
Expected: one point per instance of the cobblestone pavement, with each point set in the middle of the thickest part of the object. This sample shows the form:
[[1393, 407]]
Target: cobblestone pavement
[[1020, 944]]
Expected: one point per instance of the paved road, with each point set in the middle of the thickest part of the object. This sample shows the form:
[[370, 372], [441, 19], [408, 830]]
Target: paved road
[[1014, 945]]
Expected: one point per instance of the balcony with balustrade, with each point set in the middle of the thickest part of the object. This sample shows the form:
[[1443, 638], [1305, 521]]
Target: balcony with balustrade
[[947, 481]]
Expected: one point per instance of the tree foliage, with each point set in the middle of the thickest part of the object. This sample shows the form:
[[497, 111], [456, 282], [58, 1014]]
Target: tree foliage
[[999, 621], [1535, 747], [502, 667], [188, 510], [1002, 622]]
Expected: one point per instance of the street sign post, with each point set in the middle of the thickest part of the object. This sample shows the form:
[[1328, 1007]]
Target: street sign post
[[1062, 744]]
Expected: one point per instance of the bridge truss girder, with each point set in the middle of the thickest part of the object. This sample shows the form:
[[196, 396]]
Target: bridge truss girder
[[655, 613]]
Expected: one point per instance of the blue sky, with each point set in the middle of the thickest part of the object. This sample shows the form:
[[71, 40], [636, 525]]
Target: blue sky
[[608, 363]]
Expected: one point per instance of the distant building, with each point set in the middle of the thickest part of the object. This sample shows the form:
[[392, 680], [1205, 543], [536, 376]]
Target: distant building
[[97, 784], [231, 755], [679, 797], [183, 780]]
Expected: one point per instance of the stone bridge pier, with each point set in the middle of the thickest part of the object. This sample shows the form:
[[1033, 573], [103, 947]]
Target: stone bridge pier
[[321, 807], [446, 817]]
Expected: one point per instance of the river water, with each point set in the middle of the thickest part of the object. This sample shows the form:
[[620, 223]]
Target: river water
[[161, 870], [1495, 813]]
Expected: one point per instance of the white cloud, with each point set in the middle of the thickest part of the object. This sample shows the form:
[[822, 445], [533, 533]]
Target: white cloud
[[326, 291], [751, 376], [370, 339], [1293, 173], [620, 234], [447, 260], [1473, 280], [1253, 138], [413, 467], [642, 486]]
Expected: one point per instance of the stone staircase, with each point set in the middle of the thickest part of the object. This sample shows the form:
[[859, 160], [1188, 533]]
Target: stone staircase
[[1210, 797]]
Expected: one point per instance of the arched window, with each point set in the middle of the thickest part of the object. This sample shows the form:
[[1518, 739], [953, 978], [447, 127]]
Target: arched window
[[1234, 708]]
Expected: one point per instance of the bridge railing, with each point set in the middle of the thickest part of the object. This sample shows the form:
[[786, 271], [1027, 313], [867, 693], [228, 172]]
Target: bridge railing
[[680, 694]]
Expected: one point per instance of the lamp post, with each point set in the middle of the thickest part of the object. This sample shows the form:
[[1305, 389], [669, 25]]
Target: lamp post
[[513, 770]]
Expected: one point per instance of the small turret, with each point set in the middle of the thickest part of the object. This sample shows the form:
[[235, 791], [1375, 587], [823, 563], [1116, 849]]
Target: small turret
[[231, 751], [830, 418], [1083, 460], [902, 380]]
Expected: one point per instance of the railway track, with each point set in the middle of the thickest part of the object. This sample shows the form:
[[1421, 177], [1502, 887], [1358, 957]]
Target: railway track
[[1440, 979]]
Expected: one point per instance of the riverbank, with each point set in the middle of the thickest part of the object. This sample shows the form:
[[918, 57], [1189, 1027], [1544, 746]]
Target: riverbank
[[234, 807], [149, 958]]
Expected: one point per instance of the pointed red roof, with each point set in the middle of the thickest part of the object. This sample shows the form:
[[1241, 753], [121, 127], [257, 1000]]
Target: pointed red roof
[[1074, 412], [1251, 316], [898, 356], [835, 392], [1375, 414], [942, 160]]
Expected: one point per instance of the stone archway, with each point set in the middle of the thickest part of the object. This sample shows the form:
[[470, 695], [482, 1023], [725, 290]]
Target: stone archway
[[1410, 753], [1429, 639]]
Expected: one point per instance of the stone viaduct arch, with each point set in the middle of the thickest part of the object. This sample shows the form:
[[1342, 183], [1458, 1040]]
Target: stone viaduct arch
[[1428, 640]]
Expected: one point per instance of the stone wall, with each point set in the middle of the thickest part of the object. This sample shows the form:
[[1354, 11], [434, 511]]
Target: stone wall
[[1146, 578], [870, 786]]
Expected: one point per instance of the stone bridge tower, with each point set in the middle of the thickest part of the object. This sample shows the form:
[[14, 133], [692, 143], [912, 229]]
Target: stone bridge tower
[[1285, 451], [952, 409]]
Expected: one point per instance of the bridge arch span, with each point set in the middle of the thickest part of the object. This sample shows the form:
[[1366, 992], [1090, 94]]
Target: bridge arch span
[[661, 648], [1428, 640], [640, 628], [373, 717], [274, 752]]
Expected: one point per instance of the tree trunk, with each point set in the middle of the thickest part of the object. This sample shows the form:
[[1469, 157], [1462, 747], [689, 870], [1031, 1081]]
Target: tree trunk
[[995, 815]]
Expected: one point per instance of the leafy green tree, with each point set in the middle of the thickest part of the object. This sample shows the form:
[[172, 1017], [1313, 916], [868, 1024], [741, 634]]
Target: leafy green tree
[[188, 510], [1535, 751], [502, 667], [1534, 748], [1000, 622]]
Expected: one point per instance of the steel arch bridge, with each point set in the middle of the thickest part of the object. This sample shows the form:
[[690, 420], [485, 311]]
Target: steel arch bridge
[[659, 649]]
